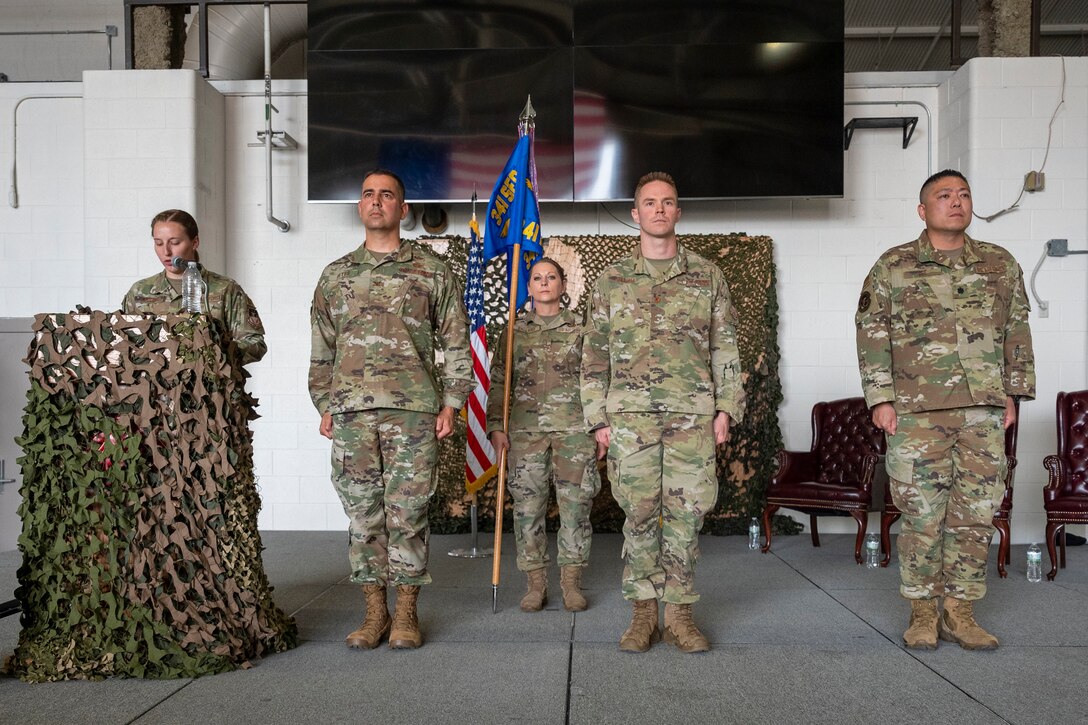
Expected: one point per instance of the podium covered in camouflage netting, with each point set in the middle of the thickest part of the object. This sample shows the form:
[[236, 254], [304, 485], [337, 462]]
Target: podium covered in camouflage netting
[[141, 555], [745, 465]]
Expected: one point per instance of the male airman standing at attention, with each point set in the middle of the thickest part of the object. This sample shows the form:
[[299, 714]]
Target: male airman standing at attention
[[660, 387], [377, 315], [944, 350]]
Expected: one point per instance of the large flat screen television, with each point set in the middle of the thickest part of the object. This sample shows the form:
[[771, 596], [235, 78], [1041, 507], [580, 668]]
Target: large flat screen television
[[737, 99]]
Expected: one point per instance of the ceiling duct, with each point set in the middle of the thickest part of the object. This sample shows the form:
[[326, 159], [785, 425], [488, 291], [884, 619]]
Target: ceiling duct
[[236, 42]]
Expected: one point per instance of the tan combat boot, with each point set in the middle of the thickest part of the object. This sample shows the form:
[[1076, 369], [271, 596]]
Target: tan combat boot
[[570, 579], [958, 625], [681, 631], [922, 632], [537, 594], [376, 623], [643, 630], [404, 633]]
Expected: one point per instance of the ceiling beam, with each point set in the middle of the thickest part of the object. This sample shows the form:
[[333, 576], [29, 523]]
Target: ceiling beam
[[927, 31]]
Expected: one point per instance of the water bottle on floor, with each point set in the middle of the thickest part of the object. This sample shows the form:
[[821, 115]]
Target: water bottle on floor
[[872, 551], [192, 289], [1035, 563], [753, 534]]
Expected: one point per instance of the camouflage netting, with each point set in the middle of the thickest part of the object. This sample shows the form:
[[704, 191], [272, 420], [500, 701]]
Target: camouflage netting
[[141, 555], [746, 463]]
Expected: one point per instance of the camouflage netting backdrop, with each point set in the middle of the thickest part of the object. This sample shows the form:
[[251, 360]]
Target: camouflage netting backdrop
[[746, 463], [141, 555]]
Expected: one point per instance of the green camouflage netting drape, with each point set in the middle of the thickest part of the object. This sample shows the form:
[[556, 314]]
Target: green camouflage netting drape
[[141, 555], [746, 463]]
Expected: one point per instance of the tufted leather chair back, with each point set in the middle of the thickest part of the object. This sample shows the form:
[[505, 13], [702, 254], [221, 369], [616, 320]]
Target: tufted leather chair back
[[1072, 409], [843, 432]]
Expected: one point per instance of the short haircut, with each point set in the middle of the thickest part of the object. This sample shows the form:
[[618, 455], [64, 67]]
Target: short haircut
[[385, 172], [937, 177], [655, 176], [178, 216]]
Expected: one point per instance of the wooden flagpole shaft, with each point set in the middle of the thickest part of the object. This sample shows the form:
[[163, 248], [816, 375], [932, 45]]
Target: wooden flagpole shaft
[[500, 495]]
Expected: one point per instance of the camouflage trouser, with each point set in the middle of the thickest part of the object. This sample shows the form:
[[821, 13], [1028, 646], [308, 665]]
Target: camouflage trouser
[[383, 464], [662, 465], [947, 471], [533, 457]]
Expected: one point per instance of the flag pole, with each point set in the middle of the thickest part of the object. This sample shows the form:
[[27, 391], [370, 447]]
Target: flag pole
[[526, 123], [475, 552], [500, 493]]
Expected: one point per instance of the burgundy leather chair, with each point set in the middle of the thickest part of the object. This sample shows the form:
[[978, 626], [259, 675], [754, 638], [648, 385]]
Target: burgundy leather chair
[[836, 476], [1001, 516], [1065, 497]]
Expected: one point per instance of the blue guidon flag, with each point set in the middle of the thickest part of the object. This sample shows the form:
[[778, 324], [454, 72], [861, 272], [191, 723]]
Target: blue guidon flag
[[513, 216]]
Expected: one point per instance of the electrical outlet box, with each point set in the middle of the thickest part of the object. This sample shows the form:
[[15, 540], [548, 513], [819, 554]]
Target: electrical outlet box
[[1057, 248], [1034, 181]]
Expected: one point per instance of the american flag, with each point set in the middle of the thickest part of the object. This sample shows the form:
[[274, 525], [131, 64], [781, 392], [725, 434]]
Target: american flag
[[480, 463]]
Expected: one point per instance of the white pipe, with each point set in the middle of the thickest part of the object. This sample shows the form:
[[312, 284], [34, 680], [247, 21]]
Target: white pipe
[[283, 224], [13, 195]]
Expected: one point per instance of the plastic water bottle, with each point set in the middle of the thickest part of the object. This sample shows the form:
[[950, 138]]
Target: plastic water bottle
[[753, 534], [1035, 563], [192, 289], [872, 551]]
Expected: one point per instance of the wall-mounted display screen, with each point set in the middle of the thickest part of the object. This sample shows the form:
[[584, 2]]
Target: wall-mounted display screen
[[738, 99]]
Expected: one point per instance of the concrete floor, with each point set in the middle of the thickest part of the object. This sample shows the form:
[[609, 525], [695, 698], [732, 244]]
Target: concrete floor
[[798, 635]]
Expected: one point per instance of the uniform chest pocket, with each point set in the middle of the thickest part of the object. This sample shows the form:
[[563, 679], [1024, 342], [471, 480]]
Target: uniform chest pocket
[[567, 354], [686, 311], [561, 351], [979, 300], [626, 310], [920, 307], [402, 297], [918, 320]]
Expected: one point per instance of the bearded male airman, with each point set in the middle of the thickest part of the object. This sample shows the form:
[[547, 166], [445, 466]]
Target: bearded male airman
[[661, 386], [944, 350], [377, 315]]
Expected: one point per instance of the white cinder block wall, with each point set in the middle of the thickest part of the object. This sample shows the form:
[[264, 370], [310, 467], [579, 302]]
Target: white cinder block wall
[[153, 141], [998, 118], [989, 119]]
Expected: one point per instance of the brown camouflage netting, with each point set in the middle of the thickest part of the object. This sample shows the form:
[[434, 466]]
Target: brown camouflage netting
[[141, 554], [747, 462]]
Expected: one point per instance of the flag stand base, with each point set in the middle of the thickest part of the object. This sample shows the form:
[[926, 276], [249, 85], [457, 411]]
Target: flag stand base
[[475, 552]]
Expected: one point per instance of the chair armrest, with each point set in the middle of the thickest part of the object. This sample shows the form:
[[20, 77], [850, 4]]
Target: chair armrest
[[1056, 475], [880, 491], [869, 464], [795, 466]]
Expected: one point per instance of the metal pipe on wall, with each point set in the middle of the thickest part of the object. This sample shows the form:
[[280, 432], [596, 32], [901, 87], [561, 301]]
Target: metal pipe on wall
[[110, 31], [283, 225], [13, 194]]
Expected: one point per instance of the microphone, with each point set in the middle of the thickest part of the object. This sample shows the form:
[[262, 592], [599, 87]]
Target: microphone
[[179, 263]]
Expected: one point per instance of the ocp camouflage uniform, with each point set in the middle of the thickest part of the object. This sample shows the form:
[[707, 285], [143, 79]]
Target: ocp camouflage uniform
[[547, 437], [375, 326], [658, 361], [946, 341], [226, 302]]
